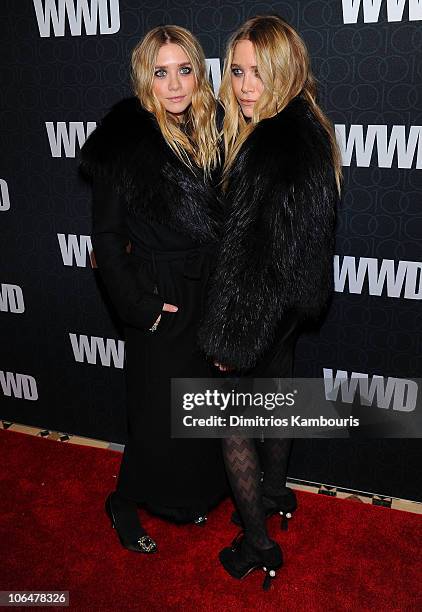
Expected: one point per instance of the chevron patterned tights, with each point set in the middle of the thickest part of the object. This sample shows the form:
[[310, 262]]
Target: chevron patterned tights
[[243, 467]]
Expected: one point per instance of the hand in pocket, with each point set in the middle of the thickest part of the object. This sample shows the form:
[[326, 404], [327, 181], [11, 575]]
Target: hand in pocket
[[167, 308]]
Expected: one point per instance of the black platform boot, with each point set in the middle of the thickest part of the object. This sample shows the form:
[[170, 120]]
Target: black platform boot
[[241, 558]]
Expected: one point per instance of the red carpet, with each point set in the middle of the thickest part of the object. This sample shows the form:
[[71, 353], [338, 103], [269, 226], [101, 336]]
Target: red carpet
[[339, 555]]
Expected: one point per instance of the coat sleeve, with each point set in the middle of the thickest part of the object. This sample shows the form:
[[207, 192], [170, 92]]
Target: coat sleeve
[[131, 293], [276, 252]]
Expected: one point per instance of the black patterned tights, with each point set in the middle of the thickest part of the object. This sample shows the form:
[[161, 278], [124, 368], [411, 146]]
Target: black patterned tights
[[244, 466]]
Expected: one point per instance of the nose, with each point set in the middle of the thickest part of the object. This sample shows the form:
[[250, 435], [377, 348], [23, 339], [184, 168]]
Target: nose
[[248, 83], [174, 82]]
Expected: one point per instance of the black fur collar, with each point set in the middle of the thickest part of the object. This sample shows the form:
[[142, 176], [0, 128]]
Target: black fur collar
[[127, 146], [283, 145]]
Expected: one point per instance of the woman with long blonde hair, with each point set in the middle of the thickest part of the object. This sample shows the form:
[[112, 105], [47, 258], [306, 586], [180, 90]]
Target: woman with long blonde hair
[[282, 179], [155, 224]]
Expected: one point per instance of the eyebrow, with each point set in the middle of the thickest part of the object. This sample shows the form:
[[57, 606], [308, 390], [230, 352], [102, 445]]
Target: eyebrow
[[239, 66], [178, 65]]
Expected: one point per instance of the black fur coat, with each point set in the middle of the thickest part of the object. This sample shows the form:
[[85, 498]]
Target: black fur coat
[[277, 245], [137, 177], [127, 148]]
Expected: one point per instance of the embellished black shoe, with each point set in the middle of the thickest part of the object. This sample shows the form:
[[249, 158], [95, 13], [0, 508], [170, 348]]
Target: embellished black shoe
[[201, 520], [124, 518], [241, 558], [284, 505]]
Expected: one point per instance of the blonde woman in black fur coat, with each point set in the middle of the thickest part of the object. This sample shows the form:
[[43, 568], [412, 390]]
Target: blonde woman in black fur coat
[[156, 220], [274, 270]]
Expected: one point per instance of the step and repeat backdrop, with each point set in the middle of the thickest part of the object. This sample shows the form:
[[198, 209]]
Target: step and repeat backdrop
[[63, 64]]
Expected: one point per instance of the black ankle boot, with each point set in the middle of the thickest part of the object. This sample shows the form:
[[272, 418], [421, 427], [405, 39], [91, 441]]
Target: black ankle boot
[[284, 504], [124, 518], [241, 558]]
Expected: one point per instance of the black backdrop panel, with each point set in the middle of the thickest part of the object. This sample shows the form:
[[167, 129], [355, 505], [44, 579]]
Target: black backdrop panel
[[63, 64]]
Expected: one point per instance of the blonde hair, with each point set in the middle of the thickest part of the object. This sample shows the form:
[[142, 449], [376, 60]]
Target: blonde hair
[[199, 142], [284, 67]]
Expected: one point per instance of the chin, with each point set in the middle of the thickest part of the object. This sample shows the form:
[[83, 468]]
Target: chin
[[247, 111], [176, 109]]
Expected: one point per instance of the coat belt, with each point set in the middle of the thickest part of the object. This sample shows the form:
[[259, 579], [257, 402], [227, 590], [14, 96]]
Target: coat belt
[[193, 258]]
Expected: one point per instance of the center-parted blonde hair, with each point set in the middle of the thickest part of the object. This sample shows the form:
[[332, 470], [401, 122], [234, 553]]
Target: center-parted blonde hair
[[198, 142], [283, 65]]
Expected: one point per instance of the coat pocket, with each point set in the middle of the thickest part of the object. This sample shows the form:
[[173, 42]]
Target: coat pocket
[[157, 323]]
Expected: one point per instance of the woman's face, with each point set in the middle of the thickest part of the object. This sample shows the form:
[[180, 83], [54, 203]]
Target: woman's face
[[246, 83], [174, 80]]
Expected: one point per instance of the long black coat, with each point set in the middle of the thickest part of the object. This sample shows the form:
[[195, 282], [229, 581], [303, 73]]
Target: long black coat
[[275, 265], [143, 194]]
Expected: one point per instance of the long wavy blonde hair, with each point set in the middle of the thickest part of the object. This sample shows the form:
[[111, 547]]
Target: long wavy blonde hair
[[198, 142], [284, 66]]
